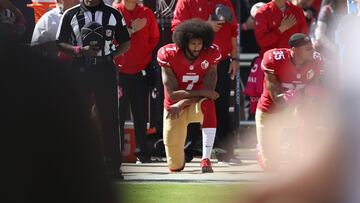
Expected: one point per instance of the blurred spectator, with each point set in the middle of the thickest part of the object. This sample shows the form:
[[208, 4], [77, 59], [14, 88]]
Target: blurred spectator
[[134, 67], [50, 153], [87, 32], [348, 43], [329, 17], [226, 32], [332, 11], [45, 30]]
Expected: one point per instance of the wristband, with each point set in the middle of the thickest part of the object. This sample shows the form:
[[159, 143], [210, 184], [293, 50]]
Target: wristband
[[291, 96], [77, 50]]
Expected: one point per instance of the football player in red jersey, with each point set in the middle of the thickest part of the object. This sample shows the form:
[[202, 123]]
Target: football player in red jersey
[[290, 77], [189, 77]]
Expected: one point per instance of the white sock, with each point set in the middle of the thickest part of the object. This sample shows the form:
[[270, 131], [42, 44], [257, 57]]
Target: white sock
[[208, 137]]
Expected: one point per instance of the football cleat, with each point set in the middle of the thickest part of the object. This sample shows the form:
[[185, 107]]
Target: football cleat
[[205, 165]]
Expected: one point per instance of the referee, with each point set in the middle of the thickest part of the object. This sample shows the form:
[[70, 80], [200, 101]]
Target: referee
[[87, 32]]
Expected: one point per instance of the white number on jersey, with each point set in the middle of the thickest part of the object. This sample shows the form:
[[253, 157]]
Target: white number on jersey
[[278, 55], [191, 80]]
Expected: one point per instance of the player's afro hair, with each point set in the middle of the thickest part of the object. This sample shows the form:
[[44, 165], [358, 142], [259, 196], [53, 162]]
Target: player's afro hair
[[193, 29]]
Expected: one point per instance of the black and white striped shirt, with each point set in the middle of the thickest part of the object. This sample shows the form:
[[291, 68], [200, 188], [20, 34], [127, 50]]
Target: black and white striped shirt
[[76, 17]]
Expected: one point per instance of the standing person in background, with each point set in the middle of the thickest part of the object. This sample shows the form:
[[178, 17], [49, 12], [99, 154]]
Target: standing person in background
[[87, 32], [331, 13], [132, 66], [44, 35], [226, 32], [275, 22]]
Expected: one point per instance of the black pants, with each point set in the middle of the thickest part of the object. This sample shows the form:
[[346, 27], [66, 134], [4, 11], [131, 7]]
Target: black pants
[[135, 91], [224, 139], [99, 86]]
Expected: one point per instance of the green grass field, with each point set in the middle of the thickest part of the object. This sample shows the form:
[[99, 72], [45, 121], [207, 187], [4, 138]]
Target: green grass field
[[179, 193]]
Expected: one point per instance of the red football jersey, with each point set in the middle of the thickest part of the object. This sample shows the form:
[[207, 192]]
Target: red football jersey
[[279, 63], [189, 75]]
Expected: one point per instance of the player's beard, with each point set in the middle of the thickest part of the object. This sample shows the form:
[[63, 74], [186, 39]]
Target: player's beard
[[190, 54]]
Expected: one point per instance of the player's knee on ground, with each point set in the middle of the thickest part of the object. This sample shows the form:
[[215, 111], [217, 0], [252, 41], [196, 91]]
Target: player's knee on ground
[[175, 157], [174, 134], [209, 112]]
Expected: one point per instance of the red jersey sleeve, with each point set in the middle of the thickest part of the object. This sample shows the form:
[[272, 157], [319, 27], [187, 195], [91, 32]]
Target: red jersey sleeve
[[163, 57], [268, 63], [154, 29], [181, 13]]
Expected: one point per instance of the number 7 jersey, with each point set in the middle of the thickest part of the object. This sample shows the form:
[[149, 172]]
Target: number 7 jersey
[[189, 76]]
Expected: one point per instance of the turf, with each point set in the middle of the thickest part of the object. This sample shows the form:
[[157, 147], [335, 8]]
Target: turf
[[182, 193]]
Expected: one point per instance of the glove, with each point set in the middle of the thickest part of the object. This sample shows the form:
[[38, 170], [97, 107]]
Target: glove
[[290, 96]]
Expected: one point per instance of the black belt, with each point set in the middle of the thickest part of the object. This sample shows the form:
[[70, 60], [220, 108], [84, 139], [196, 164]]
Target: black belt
[[93, 61]]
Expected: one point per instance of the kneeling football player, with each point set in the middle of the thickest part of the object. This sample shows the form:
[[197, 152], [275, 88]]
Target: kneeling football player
[[189, 77]]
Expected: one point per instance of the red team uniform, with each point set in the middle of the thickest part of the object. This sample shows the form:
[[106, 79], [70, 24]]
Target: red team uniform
[[270, 118], [189, 77], [279, 63], [144, 41]]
